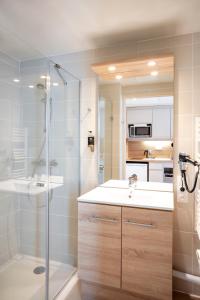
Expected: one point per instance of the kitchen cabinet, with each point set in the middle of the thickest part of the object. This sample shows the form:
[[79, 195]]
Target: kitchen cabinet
[[139, 116], [99, 243], [126, 248], [161, 119], [147, 252], [161, 128], [156, 171], [172, 122], [140, 169]]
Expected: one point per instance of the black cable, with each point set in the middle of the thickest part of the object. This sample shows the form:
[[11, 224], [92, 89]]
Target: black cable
[[183, 173]]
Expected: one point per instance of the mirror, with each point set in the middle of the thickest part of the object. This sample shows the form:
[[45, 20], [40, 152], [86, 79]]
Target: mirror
[[135, 113]]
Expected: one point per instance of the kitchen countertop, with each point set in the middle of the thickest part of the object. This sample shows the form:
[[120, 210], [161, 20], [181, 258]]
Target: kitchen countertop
[[140, 198], [141, 185], [157, 160]]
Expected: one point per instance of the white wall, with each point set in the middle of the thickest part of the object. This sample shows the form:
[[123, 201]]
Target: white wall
[[9, 119], [186, 50]]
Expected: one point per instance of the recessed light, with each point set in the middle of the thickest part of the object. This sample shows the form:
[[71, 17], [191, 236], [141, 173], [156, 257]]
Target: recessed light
[[118, 77], [31, 86], [43, 76], [151, 63], [154, 73], [111, 68], [16, 80], [55, 84]]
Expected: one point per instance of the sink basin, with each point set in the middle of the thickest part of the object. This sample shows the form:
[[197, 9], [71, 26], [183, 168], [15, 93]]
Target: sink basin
[[139, 198], [27, 186], [141, 185]]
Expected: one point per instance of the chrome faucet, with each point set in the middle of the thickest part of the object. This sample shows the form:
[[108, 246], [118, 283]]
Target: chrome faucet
[[132, 184], [133, 180]]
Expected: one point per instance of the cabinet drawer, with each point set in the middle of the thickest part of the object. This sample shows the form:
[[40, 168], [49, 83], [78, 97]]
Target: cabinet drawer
[[99, 240], [147, 252]]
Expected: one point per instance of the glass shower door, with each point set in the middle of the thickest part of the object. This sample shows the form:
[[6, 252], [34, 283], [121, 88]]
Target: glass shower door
[[23, 179], [63, 176]]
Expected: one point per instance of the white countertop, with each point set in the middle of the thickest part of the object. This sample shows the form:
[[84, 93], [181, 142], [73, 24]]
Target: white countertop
[[141, 185], [157, 160], [140, 198]]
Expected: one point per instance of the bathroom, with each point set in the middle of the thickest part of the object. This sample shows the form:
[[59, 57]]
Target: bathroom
[[52, 148]]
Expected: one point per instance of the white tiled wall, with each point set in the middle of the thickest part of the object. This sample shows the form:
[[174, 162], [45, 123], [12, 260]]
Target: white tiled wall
[[186, 50], [9, 119]]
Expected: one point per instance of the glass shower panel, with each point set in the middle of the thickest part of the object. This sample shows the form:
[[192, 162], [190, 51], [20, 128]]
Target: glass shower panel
[[64, 175], [29, 169], [9, 200], [39, 173], [23, 189]]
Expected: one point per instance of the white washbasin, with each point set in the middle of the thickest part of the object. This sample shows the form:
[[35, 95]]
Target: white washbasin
[[141, 185], [139, 198], [28, 186]]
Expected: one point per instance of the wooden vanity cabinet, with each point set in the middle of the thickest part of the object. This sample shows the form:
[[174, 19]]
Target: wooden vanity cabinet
[[127, 248], [99, 243], [147, 252]]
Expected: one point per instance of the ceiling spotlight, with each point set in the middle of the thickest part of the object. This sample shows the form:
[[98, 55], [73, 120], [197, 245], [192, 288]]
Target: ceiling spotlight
[[16, 80], [55, 84], [43, 76], [118, 77], [151, 63], [31, 86], [111, 68], [154, 73]]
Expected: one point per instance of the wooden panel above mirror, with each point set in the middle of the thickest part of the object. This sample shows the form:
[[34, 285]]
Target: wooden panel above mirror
[[138, 67]]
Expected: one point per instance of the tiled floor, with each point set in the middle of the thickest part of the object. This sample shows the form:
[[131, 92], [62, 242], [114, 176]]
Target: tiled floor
[[180, 296]]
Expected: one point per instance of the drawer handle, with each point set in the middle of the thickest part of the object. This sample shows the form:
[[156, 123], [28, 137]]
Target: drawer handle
[[139, 224], [94, 218]]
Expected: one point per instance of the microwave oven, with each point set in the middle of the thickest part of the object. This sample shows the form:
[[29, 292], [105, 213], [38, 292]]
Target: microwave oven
[[140, 130]]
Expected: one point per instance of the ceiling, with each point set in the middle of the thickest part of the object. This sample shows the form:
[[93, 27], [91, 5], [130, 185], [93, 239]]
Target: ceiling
[[55, 27]]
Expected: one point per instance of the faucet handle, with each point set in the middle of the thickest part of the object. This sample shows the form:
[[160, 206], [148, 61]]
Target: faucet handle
[[135, 177]]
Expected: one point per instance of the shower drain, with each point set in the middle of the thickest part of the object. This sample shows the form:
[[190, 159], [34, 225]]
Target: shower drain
[[39, 270]]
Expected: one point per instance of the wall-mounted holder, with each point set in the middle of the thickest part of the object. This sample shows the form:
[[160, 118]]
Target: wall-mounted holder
[[91, 141]]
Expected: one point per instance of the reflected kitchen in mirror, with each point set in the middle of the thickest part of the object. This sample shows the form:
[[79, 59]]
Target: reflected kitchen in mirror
[[135, 113]]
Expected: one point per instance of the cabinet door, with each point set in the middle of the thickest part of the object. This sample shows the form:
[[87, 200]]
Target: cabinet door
[[172, 122], [161, 123], [147, 253], [99, 243], [136, 116], [156, 175]]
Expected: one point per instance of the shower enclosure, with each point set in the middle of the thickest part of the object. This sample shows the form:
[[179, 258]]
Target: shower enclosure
[[39, 177]]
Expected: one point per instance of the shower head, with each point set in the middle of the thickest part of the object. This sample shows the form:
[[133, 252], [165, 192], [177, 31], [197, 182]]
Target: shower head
[[40, 86], [58, 68]]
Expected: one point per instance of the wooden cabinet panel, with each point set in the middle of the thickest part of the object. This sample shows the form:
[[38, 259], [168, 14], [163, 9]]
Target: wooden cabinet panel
[[147, 252], [99, 244]]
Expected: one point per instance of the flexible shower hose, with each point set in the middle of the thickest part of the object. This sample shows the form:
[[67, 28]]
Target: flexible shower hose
[[183, 173]]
